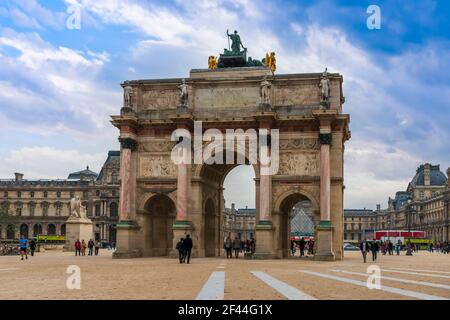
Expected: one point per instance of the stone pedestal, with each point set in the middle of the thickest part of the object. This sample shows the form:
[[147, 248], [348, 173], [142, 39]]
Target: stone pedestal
[[77, 229], [127, 240], [324, 248], [264, 240]]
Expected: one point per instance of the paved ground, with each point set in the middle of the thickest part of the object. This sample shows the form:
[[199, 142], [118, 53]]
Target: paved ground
[[422, 276]]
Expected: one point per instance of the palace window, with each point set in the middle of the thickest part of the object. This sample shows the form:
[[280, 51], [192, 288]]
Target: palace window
[[19, 210], [97, 193], [114, 177], [45, 209], [58, 194], [113, 193], [5, 194], [97, 209], [19, 194], [58, 209], [72, 194], [32, 207], [85, 194], [421, 195], [45, 194]]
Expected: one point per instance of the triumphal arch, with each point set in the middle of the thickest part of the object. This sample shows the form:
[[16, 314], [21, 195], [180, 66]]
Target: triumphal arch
[[303, 125]]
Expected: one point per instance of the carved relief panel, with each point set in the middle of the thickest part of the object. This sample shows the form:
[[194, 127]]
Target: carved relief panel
[[156, 166], [302, 164]]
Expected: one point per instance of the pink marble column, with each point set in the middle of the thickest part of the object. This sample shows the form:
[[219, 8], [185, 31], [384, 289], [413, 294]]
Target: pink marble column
[[264, 197], [125, 168], [128, 144], [182, 192], [325, 182]]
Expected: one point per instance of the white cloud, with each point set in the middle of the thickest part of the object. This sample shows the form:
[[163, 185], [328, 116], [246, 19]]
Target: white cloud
[[57, 87], [48, 162]]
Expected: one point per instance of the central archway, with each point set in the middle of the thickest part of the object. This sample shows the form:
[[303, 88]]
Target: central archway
[[211, 181]]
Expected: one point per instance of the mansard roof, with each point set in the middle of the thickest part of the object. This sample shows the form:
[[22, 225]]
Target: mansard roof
[[83, 173], [113, 155], [358, 212], [437, 177]]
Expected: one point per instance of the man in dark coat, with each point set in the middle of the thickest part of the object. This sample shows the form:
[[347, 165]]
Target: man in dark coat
[[374, 247], [179, 247], [187, 248], [364, 247]]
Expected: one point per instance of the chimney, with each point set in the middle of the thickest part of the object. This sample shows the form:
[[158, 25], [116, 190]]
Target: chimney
[[233, 207], [19, 176], [426, 174], [378, 207]]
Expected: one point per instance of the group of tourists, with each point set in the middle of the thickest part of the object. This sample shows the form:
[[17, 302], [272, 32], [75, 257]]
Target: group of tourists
[[303, 246], [24, 246], [442, 247], [238, 246], [81, 246], [184, 247], [369, 246]]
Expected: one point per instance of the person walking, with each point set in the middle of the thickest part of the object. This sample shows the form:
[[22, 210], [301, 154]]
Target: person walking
[[253, 245], [374, 248], [23, 246], [397, 248], [228, 245], [292, 247], [236, 247], [83, 248], [179, 247], [97, 247], [364, 247], [187, 248], [77, 248], [391, 248], [90, 247], [32, 247], [302, 247]]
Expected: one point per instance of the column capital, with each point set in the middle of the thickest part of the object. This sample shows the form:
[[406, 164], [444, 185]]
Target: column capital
[[325, 138], [128, 143]]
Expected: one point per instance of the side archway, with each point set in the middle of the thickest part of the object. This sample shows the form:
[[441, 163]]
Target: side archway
[[298, 213], [159, 217]]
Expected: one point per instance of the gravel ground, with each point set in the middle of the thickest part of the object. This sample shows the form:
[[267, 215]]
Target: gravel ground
[[44, 277]]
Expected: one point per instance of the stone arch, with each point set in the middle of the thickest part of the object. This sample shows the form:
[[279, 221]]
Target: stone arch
[[24, 230], [51, 229], [159, 217], [37, 229], [285, 194], [285, 205], [10, 232]]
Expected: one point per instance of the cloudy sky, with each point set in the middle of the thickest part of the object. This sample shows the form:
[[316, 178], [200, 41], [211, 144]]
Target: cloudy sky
[[58, 85]]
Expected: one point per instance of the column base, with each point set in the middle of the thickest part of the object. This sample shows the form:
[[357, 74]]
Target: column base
[[127, 239], [180, 229], [324, 248], [264, 240]]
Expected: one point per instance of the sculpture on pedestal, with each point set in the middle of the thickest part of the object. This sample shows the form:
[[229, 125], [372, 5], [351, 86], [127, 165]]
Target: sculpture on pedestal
[[77, 210], [128, 94], [265, 94], [184, 95], [324, 86]]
